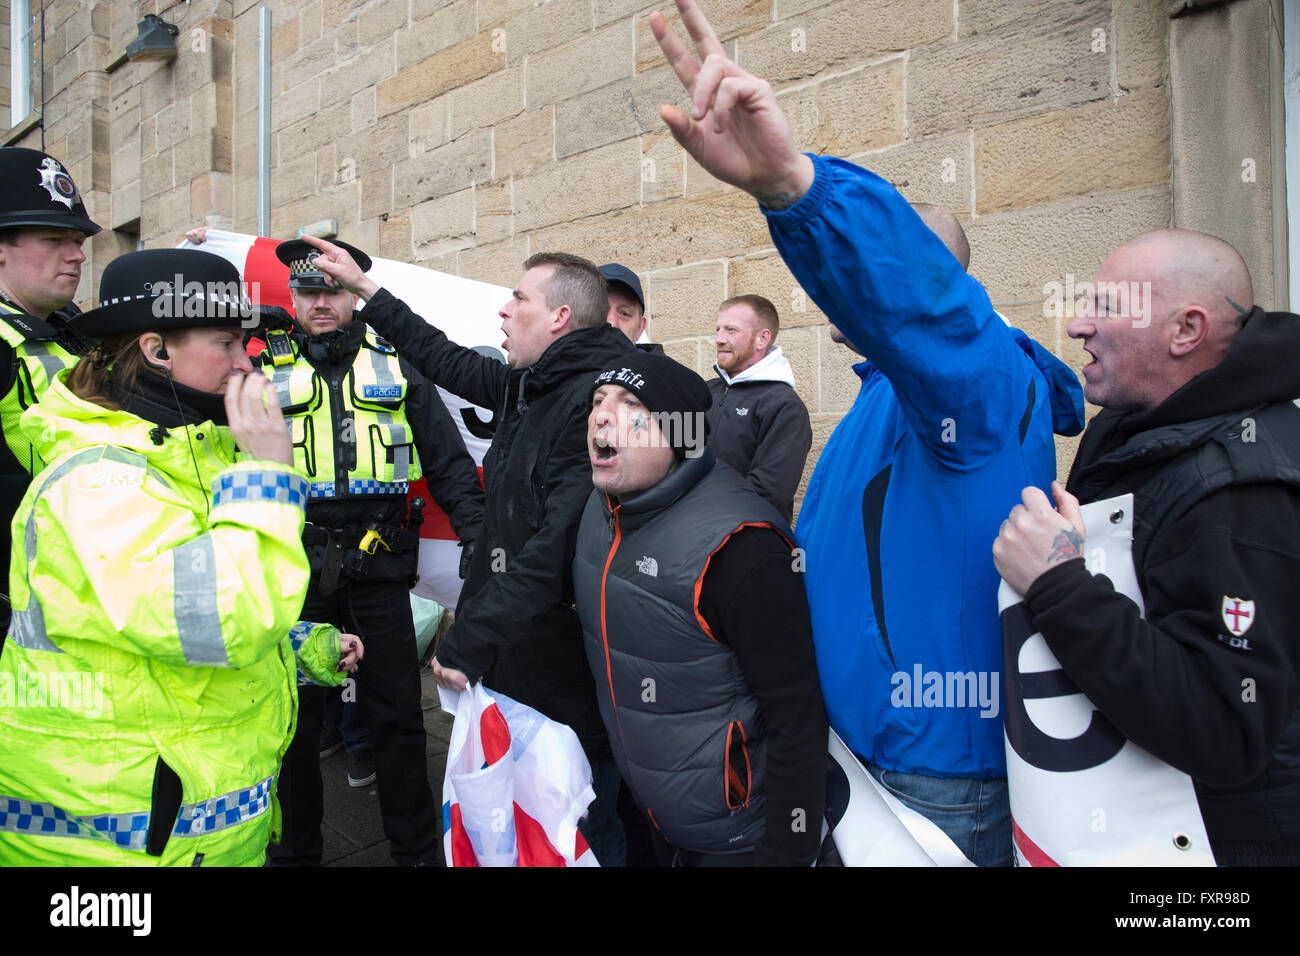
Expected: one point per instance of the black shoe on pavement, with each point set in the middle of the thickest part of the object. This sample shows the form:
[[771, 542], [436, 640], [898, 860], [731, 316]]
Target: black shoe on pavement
[[331, 739], [361, 768]]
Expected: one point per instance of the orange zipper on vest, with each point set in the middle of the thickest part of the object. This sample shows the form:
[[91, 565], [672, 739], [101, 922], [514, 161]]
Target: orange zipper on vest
[[604, 633]]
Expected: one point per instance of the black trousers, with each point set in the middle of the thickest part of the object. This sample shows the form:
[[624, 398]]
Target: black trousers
[[388, 693]]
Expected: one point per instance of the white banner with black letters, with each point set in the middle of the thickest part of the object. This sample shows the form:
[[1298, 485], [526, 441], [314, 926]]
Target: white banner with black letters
[[1081, 793]]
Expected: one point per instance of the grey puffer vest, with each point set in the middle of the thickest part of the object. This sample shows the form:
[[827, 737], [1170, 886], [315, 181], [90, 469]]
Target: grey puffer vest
[[683, 723]]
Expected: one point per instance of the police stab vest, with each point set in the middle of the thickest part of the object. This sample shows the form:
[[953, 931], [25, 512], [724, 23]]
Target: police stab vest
[[38, 358], [350, 434]]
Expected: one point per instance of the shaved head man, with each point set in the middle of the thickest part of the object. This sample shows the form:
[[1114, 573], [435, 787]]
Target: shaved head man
[[1198, 445], [1164, 308], [944, 225]]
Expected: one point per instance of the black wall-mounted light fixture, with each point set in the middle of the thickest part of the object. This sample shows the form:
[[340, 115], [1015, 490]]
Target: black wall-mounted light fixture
[[156, 40]]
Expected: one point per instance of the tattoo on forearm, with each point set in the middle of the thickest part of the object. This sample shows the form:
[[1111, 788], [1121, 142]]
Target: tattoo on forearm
[[776, 201], [640, 423], [1066, 545]]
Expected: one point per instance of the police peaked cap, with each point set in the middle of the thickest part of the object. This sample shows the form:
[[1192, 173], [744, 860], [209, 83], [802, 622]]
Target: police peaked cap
[[39, 192], [300, 256], [160, 290]]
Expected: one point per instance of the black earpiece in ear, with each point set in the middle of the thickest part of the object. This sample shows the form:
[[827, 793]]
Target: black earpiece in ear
[[161, 353]]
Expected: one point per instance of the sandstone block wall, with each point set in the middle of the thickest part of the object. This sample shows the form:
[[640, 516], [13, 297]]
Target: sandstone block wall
[[467, 134]]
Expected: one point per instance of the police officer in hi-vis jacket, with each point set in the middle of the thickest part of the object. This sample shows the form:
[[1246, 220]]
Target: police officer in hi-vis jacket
[[43, 224], [364, 425]]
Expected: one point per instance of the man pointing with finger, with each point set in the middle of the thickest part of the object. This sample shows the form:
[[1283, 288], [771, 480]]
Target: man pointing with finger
[[958, 410], [516, 627], [1198, 423]]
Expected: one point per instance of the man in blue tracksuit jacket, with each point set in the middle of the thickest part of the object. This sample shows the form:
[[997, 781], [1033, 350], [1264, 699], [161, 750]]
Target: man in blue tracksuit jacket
[[955, 417], [956, 410]]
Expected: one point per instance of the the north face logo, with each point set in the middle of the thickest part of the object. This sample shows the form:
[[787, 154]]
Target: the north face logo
[[742, 411], [648, 565]]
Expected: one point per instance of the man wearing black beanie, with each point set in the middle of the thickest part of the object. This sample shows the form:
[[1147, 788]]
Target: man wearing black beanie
[[697, 630]]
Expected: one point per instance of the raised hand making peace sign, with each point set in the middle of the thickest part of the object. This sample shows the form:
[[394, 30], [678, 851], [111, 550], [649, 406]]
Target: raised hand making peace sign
[[736, 130]]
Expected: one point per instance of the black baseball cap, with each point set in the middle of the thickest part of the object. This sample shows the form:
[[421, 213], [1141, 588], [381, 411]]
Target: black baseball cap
[[613, 272]]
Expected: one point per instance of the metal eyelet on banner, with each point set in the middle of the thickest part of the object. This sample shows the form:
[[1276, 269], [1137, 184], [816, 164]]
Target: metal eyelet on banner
[[1117, 516], [1183, 842]]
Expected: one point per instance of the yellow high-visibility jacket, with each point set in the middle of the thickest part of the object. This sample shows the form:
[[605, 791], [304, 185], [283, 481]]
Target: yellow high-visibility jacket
[[39, 359], [148, 684], [350, 436]]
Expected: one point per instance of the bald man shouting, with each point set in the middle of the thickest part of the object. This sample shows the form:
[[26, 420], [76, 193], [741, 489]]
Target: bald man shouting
[[1198, 423]]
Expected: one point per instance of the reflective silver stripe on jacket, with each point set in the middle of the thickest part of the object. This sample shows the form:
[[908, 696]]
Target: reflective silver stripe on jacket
[[40, 351], [399, 431], [280, 380], [198, 621]]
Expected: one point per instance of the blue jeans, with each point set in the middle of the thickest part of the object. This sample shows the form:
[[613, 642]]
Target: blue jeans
[[975, 814]]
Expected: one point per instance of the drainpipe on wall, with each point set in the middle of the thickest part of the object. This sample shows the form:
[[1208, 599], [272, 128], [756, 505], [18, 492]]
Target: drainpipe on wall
[[263, 121]]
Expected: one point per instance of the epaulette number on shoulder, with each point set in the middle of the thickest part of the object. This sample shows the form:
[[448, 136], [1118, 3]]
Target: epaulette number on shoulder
[[28, 326]]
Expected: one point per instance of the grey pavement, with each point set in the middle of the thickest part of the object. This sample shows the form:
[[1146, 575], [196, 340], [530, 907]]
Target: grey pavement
[[353, 832]]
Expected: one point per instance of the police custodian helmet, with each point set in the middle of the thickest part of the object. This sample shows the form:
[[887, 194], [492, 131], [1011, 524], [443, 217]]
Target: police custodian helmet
[[39, 192]]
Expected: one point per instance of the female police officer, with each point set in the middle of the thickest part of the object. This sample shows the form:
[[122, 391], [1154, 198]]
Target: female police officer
[[147, 690]]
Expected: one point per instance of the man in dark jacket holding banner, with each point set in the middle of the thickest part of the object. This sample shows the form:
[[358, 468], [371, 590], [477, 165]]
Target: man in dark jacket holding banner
[[1198, 447]]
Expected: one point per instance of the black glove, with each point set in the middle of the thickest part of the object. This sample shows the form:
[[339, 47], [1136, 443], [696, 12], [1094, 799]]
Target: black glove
[[466, 556]]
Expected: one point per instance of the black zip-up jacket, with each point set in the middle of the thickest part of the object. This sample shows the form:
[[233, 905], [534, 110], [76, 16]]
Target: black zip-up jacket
[[517, 628], [760, 427], [1220, 707]]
